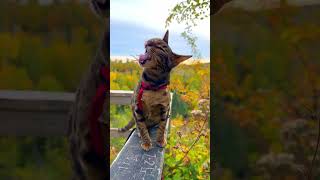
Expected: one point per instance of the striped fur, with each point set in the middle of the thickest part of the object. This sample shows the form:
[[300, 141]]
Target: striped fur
[[86, 164], [157, 64]]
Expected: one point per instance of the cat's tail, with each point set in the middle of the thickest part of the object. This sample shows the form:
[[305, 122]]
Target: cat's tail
[[130, 124]]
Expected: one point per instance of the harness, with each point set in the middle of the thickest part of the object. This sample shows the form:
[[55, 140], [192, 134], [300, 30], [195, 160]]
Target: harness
[[145, 86], [96, 110]]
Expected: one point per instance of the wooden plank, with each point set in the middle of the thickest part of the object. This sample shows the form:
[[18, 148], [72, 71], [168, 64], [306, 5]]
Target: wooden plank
[[35, 101], [34, 113], [133, 163], [115, 133], [40, 113], [38, 100], [120, 97], [36, 95]]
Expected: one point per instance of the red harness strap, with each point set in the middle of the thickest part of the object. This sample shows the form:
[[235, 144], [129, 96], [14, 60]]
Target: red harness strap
[[95, 112], [145, 86]]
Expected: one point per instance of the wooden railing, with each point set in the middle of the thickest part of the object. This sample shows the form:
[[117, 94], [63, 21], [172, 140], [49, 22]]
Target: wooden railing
[[36, 113], [134, 163]]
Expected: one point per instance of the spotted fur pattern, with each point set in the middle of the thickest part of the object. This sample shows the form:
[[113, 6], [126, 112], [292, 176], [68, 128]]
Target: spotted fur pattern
[[157, 63]]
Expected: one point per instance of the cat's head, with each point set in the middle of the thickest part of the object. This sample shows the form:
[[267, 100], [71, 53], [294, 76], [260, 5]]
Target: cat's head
[[158, 54]]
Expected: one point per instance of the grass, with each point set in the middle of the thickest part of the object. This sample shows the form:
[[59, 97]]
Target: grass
[[120, 115]]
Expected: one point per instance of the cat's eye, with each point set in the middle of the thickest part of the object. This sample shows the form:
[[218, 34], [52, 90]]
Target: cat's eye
[[161, 48]]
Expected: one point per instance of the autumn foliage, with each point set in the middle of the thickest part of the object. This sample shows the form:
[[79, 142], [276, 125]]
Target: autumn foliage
[[267, 87], [46, 48], [187, 153]]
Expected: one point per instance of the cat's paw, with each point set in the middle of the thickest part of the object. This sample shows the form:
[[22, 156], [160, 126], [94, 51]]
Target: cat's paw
[[162, 143], [146, 146]]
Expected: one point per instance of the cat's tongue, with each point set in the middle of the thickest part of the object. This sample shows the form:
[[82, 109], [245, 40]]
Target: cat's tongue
[[143, 58]]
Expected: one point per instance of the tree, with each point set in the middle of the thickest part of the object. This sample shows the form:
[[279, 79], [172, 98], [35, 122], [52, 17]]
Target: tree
[[190, 12], [273, 87]]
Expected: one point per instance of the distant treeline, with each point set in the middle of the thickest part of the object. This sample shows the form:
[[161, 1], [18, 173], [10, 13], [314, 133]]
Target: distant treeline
[[46, 47], [43, 47]]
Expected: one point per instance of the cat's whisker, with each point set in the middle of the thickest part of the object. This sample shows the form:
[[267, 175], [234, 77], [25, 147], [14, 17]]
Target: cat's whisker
[[134, 57]]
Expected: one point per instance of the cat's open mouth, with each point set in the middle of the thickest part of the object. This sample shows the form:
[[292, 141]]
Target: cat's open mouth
[[143, 58]]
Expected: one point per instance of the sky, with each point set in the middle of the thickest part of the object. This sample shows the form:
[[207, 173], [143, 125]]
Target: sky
[[152, 14], [133, 22]]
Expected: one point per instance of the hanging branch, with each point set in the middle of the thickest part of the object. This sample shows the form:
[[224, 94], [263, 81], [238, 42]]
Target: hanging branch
[[191, 11], [188, 13]]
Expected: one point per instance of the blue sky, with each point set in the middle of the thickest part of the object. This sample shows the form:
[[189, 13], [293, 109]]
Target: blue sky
[[134, 22]]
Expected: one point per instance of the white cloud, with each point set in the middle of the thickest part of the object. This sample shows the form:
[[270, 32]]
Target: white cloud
[[152, 14]]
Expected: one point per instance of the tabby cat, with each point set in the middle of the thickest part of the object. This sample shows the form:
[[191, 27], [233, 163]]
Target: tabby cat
[[88, 125], [150, 103]]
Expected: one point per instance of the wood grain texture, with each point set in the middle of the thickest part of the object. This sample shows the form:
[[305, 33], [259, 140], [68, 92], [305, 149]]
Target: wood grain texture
[[133, 162]]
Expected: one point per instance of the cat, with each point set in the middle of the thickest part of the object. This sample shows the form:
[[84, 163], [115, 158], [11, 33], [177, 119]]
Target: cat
[[151, 99], [88, 127]]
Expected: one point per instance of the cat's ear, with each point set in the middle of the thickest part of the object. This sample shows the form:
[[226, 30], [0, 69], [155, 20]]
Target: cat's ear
[[177, 59], [166, 37]]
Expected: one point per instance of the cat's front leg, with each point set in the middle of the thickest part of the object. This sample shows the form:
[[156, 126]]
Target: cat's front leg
[[143, 130], [161, 139]]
